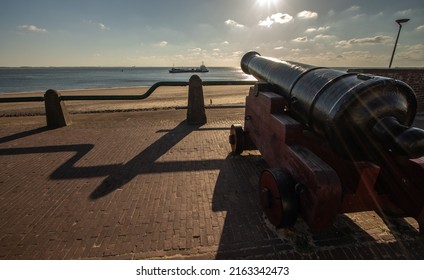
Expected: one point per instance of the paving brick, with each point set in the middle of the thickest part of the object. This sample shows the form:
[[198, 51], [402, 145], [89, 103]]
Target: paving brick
[[146, 185]]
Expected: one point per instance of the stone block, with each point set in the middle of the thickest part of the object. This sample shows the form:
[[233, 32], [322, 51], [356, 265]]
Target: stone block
[[196, 106], [56, 113]]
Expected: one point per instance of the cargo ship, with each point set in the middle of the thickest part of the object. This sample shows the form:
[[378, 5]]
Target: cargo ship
[[201, 69]]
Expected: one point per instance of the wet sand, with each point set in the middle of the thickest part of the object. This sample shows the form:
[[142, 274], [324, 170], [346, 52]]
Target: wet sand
[[162, 98]]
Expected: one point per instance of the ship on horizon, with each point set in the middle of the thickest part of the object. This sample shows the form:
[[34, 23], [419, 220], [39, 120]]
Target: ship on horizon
[[201, 69]]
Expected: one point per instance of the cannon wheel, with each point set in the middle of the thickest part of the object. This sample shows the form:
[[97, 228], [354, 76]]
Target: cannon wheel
[[278, 197], [236, 139]]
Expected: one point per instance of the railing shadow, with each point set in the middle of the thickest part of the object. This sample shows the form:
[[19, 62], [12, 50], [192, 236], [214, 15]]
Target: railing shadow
[[118, 174], [245, 233], [66, 170]]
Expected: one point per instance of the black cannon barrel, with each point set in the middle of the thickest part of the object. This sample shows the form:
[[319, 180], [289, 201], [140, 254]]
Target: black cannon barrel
[[356, 113]]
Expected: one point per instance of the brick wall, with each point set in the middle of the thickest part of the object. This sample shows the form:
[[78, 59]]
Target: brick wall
[[414, 77]]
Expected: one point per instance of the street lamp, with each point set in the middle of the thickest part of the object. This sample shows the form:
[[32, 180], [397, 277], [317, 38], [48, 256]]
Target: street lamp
[[399, 22]]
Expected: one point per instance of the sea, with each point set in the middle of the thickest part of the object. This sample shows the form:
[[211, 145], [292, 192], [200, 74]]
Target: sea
[[36, 79]]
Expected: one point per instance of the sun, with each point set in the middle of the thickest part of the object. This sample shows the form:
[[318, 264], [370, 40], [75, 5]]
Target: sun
[[267, 3]]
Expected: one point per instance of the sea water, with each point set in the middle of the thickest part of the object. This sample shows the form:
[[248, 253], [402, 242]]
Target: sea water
[[29, 79]]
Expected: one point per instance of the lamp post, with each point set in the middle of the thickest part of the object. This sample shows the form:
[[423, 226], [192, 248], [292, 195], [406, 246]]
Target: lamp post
[[399, 22]]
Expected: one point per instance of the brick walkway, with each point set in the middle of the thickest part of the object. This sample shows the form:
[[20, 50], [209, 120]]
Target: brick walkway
[[141, 185]]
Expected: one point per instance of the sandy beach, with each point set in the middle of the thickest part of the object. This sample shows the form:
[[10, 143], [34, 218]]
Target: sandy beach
[[163, 97]]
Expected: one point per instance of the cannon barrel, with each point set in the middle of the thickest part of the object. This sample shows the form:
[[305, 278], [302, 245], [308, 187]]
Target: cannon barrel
[[359, 115]]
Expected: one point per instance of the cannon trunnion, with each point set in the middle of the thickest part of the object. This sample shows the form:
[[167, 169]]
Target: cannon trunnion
[[335, 142]]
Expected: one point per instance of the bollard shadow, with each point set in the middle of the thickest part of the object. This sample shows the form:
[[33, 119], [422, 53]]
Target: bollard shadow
[[143, 162], [23, 134]]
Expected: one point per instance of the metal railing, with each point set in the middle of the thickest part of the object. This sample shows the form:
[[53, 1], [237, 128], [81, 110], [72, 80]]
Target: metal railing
[[124, 97]]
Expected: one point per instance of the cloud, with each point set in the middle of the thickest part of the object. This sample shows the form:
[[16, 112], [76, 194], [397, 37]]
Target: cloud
[[421, 27], [32, 28], [353, 12], [412, 52], [233, 23], [359, 16], [102, 26], [266, 22], [323, 28], [276, 18], [99, 25], [323, 36], [404, 12], [195, 50], [307, 14], [163, 43], [279, 48], [362, 54], [353, 9], [417, 47], [364, 41], [301, 39], [237, 53], [313, 29], [281, 18]]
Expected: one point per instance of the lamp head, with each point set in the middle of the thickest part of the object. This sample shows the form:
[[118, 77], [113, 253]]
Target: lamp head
[[402, 20]]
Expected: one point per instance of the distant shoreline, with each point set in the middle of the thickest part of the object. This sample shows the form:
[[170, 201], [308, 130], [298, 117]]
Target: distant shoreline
[[33, 80]]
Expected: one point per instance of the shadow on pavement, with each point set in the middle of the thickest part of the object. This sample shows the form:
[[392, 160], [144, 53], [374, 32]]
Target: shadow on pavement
[[246, 233], [23, 134]]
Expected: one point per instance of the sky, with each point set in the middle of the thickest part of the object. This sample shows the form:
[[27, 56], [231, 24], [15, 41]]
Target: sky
[[353, 33]]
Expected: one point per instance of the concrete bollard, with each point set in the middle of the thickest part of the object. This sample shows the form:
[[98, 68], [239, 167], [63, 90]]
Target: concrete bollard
[[196, 105], [56, 113]]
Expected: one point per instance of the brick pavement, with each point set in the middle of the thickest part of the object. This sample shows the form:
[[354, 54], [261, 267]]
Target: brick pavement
[[145, 185]]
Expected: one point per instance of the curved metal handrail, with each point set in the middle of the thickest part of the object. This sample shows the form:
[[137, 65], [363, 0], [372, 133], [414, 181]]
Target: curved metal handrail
[[123, 97], [21, 99]]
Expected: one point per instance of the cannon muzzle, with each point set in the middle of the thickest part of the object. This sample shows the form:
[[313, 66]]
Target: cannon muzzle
[[359, 115]]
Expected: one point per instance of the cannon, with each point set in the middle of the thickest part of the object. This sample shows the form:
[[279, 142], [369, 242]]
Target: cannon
[[335, 142]]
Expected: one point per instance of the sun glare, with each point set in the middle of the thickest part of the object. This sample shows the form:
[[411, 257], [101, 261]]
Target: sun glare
[[266, 3]]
